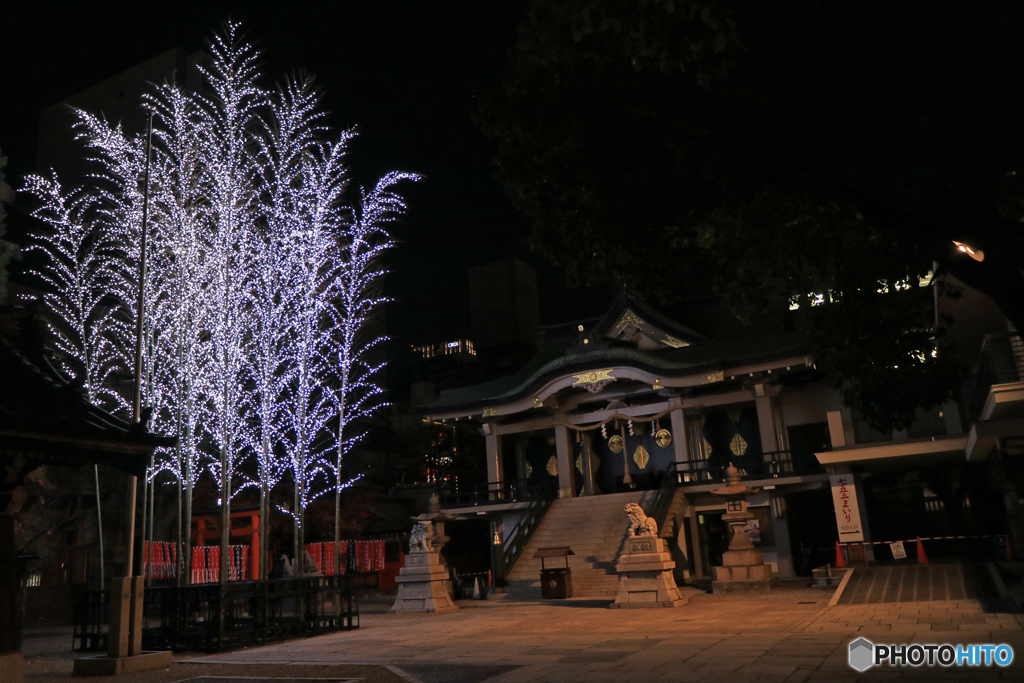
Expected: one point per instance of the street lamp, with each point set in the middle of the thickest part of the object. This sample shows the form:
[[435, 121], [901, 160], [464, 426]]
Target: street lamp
[[976, 254]]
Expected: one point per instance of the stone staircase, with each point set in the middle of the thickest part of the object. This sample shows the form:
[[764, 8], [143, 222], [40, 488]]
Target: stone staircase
[[595, 528]]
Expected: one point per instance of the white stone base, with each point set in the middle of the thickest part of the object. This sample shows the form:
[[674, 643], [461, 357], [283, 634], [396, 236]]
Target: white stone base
[[645, 575], [423, 585]]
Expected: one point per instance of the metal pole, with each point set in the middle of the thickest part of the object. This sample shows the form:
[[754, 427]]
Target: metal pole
[[139, 314], [149, 533], [99, 522], [142, 531]]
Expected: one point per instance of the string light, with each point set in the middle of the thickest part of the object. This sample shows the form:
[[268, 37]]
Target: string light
[[263, 280]]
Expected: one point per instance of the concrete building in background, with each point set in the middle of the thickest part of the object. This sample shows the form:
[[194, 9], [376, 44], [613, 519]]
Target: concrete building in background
[[504, 304], [117, 99]]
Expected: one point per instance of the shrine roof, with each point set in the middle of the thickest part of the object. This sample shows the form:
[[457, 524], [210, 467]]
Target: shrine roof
[[44, 417], [562, 358]]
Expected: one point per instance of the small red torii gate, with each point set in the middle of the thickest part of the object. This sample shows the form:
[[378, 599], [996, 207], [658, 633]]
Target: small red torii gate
[[245, 525]]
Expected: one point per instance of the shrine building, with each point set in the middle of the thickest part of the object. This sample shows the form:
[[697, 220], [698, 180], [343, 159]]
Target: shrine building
[[638, 407]]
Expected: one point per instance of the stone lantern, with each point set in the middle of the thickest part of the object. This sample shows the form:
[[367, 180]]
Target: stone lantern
[[743, 570]]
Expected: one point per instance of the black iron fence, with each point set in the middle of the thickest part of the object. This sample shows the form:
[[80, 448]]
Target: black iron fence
[[211, 617], [1002, 362], [495, 493], [90, 621]]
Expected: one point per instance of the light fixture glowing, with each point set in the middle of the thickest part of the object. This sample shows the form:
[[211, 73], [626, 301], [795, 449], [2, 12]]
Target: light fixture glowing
[[976, 254]]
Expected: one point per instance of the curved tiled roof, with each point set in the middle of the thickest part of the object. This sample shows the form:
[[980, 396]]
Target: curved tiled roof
[[557, 359], [44, 417]]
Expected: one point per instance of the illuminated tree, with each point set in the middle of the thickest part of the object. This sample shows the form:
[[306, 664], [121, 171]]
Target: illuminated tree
[[79, 277], [261, 282], [290, 132], [178, 204], [357, 396], [231, 191]]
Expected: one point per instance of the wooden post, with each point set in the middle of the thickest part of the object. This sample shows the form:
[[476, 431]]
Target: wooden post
[[137, 588], [587, 452], [119, 617], [766, 423], [680, 439], [563, 455]]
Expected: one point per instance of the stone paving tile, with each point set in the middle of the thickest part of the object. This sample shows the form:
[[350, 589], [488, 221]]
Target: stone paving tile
[[748, 641], [683, 676]]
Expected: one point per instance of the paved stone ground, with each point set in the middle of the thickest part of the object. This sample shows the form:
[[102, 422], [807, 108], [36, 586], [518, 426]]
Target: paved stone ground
[[916, 582], [791, 636]]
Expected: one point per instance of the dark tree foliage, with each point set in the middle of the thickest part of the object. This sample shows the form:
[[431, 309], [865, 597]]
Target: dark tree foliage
[[764, 151]]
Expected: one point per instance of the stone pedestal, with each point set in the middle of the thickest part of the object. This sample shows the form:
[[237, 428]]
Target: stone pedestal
[[645, 575], [423, 584], [103, 665], [744, 571]]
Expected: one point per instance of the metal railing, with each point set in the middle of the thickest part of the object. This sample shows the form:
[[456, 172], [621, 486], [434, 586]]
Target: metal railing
[[211, 617], [1002, 362], [663, 500], [516, 540], [496, 493], [89, 611], [771, 465]]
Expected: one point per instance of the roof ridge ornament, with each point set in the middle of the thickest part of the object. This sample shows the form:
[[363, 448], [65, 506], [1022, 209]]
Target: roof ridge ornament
[[595, 380], [628, 318], [673, 342]]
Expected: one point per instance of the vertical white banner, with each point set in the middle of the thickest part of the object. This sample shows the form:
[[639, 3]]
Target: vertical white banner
[[844, 496]]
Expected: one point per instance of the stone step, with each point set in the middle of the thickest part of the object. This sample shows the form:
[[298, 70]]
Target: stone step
[[580, 575], [553, 531], [595, 528], [576, 576], [534, 593], [582, 563]]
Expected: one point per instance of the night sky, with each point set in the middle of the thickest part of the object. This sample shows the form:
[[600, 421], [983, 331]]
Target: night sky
[[405, 72]]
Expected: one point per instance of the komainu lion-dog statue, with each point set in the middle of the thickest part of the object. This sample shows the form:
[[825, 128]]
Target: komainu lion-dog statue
[[639, 523], [422, 537]]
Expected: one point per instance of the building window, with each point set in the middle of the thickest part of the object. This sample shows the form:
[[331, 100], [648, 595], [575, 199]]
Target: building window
[[459, 347]]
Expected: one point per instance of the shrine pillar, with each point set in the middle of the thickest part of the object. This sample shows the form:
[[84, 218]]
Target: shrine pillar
[[495, 457], [563, 453], [680, 439]]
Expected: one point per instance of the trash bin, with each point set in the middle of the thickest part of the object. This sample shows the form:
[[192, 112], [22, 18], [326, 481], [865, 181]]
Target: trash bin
[[555, 582]]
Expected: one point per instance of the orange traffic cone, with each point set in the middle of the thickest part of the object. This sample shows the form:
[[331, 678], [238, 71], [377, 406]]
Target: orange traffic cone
[[840, 560], [921, 557]]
